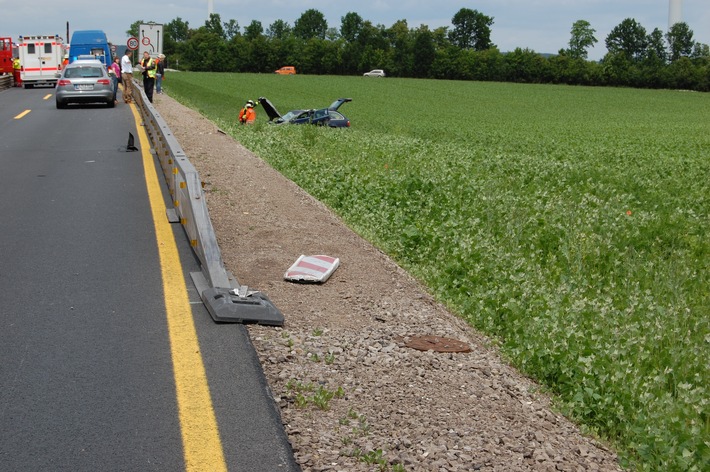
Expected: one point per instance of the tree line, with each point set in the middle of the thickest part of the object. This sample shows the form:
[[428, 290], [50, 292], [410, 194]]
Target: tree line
[[464, 51]]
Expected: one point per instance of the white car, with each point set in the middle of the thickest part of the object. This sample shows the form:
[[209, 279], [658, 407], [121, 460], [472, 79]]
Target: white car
[[374, 73]]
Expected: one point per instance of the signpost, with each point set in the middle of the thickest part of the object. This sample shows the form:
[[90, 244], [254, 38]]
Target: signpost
[[150, 38]]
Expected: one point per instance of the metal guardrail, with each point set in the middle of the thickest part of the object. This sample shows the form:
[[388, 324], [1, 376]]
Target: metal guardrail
[[6, 81], [226, 300]]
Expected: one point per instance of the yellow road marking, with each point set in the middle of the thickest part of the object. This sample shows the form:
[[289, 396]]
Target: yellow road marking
[[21, 115], [202, 446], [47, 97]]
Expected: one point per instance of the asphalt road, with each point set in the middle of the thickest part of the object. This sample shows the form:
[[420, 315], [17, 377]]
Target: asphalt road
[[87, 378]]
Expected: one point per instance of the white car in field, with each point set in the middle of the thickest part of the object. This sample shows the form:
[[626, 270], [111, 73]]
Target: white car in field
[[374, 73]]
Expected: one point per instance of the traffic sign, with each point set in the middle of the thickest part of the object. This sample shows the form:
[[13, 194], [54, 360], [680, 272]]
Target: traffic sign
[[151, 39], [132, 43]]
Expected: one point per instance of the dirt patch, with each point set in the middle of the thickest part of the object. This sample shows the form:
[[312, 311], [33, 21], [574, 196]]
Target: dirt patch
[[353, 396]]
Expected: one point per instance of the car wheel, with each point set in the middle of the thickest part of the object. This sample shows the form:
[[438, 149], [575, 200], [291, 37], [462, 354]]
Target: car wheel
[[61, 105], [110, 104]]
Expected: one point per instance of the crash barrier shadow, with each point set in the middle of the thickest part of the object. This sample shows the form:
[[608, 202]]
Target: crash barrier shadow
[[225, 299], [6, 81]]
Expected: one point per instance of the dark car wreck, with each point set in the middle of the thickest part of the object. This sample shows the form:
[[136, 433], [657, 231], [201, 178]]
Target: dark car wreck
[[329, 116]]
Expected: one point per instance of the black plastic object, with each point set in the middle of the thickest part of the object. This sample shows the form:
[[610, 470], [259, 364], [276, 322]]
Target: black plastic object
[[131, 146], [227, 307]]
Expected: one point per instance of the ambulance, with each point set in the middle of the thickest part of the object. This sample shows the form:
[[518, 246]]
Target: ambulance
[[40, 59]]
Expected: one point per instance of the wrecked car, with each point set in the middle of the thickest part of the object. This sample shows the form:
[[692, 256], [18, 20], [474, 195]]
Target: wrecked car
[[329, 116]]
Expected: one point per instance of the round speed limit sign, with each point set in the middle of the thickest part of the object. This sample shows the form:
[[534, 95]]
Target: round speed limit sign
[[132, 43]]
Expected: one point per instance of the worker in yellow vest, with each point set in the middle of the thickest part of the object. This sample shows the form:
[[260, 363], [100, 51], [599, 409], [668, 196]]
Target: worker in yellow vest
[[148, 70], [16, 67]]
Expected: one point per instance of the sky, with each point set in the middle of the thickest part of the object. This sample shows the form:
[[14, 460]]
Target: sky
[[541, 25]]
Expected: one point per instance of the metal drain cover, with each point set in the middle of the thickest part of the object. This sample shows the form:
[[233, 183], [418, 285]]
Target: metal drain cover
[[437, 344]]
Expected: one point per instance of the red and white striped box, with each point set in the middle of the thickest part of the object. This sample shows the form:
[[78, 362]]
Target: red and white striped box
[[312, 268]]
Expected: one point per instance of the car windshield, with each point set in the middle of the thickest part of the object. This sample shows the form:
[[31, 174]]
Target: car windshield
[[291, 115], [83, 72]]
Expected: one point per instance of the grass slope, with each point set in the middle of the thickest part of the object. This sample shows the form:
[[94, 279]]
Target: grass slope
[[569, 223]]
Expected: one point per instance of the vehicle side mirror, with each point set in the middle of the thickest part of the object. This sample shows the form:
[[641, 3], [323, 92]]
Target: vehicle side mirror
[[58, 75]]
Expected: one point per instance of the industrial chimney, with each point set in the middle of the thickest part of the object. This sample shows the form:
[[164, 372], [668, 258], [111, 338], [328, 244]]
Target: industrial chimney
[[675, 14]]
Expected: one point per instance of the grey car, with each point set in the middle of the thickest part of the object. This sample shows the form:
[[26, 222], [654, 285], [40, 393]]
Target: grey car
[[375, 73], [84, 81]]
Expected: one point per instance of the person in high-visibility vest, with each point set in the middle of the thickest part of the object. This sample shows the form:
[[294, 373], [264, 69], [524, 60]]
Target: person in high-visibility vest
[[16, 67], [248, 114], [148, 67]]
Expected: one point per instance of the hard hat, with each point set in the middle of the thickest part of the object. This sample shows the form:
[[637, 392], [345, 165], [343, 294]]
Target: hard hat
[[250, 103]]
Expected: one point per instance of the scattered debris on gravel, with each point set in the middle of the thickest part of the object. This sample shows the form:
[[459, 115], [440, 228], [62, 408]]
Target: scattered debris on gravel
[[356, 391]]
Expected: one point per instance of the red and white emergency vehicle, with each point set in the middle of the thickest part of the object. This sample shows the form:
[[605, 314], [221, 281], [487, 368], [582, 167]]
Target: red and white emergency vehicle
[[5, 55], [40, 59]]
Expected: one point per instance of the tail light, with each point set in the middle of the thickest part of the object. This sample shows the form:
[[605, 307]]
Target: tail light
[[103, 81], [63, 82]]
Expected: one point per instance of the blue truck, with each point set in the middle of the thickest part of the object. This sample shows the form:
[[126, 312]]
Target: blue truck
[[90, 43]]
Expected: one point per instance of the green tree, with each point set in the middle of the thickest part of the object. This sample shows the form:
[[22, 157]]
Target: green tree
[[332, 34], [254, 30], [214, 25], [350, 26], [701, 51], [205, 51], [259, 54], [231, 29], [618, 69], [177, 30], [489, 65], [680, 41], [311, 24], [563, 69], [525, 65], [440, 36], [424, 51], [401, 47], [445, 63], [279, 29], [628, 38], [654, 62], [582, 38], [238, 54], [312, 56], [472, 30], [656, 50], [682, 74]]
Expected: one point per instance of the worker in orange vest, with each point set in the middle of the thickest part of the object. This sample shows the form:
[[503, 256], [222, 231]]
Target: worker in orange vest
[[248, 113]]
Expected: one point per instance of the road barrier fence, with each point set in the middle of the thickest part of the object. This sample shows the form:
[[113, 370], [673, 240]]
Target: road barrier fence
[[225, 299]]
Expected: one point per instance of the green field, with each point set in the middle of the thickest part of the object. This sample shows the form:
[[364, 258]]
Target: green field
[[570, 224]]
